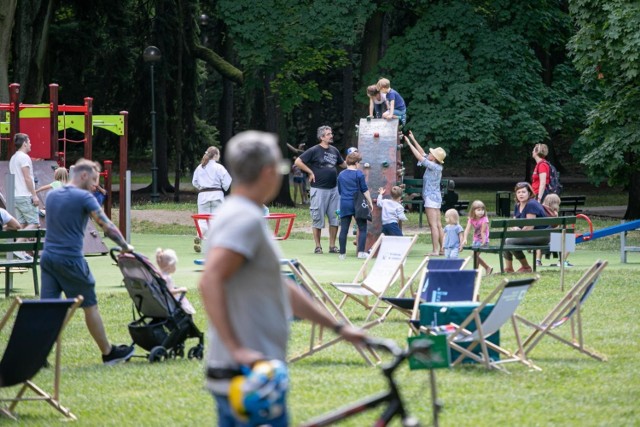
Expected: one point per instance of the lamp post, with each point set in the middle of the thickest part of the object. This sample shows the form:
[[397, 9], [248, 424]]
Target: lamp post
[[152, 55]]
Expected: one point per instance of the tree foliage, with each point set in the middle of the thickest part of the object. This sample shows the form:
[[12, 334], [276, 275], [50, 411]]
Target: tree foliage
[[606, 51]]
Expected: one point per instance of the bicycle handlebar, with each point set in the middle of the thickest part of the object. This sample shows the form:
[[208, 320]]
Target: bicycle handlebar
[[417, 347]]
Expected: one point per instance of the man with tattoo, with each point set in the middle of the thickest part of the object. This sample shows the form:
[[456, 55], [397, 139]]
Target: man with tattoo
[[62, 264]]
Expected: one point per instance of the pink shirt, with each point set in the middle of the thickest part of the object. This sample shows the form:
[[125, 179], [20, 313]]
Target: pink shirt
[[477, 228]]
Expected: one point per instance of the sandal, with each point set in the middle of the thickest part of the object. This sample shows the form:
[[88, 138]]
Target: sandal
[[433, 254], [488, 271], [334, 250], [318, 250], [525, 270]]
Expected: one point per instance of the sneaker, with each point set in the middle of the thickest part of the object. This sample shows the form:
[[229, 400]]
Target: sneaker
[[121, 353], [567, 264], [342, 256], [197, 248], [538, 263], [363, 255], [22, 255]]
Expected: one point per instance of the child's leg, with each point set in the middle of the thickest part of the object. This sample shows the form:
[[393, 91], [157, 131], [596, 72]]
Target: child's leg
[[487, 268]]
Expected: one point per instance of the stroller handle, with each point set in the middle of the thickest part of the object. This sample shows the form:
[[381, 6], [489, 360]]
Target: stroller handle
[[118, 249]]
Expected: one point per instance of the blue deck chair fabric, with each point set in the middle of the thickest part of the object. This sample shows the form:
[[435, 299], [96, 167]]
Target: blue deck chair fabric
[[507, 296], [568, 310], [37, 326], [433, 265]]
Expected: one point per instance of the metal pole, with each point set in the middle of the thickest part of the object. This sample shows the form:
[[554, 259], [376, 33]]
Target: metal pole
[[127, 190], [154, 167]]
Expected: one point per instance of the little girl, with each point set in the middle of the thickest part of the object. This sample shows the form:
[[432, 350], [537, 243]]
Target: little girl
[[167, 259], [453, 242], [60, 176], [479, 221]]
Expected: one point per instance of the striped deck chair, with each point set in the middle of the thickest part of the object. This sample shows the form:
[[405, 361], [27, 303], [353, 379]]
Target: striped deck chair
[[567, 311], [507, 297], [388, 256]]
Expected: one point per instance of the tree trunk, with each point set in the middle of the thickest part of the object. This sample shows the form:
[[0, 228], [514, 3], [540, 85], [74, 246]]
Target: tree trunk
[[372, 43], [33, 18], [348, 112], [633, 205], [225, 111], [7, 15]]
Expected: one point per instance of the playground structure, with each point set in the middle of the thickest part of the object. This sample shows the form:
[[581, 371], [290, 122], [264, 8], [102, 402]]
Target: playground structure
[[379, 144], [44, 122], [621, 229]]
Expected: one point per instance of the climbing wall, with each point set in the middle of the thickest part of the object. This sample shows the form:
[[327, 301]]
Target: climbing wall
[[378, 143]]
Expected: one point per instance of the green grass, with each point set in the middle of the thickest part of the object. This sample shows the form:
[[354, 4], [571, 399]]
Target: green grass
[[571, 390]]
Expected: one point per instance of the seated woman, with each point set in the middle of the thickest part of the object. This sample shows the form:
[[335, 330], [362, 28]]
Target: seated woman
[[526, 207]]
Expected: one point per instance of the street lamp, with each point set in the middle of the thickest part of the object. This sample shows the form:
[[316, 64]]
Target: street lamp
[[152, 55]]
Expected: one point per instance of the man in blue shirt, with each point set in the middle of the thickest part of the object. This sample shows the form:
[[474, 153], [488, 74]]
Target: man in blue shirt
[[62, 264]]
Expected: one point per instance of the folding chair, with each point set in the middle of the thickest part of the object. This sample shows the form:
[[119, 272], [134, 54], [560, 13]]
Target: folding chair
[[388, 255], [319, 295], [406, 304], [568, 310], [507, 297], [38, 325]]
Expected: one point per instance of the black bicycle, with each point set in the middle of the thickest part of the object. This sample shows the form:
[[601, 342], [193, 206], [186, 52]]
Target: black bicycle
[[392, 397]]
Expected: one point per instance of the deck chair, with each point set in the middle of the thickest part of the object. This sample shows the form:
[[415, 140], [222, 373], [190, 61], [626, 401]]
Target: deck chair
[[406, 304], [568, 310], [38, 325], [318, 294], [388, 256], [507, 297], [444, 286]]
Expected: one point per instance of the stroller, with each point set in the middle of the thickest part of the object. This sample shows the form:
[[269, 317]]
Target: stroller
[[160, 325]]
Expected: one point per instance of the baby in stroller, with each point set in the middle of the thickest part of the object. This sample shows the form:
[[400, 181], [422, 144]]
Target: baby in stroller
[[162, 322], [167, 261]]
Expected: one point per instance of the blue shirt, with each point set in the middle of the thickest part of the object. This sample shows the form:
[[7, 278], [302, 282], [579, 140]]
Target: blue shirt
[[350, 181], [452, 236], [431, 180], [532, 207], [68, 210], [399, 101]]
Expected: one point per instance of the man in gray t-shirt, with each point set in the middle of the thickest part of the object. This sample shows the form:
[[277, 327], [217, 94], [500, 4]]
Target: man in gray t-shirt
[[248, 303]]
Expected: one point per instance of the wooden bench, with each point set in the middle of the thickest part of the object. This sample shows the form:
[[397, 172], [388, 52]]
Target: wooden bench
[[461, 206], [413, 194], [569, 205], [502, 229], [13, 241]]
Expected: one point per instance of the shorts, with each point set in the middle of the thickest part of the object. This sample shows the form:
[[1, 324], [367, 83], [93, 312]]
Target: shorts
[[70, 275], [324, 202], [391, 229], [451, 252], [298, 179], [26, 211], [428, 203]]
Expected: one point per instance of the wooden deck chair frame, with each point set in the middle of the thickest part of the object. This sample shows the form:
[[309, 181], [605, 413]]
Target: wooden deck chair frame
[[507, 296], [415, 311], [319, 295], [568, 310], [28, 384], [361, 289]]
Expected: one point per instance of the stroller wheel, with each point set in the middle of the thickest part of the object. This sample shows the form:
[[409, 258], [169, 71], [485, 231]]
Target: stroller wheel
[[158, 354], [195, 352]]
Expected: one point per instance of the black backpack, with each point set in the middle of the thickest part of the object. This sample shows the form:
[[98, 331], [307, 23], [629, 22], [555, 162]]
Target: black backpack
[[553, 184]]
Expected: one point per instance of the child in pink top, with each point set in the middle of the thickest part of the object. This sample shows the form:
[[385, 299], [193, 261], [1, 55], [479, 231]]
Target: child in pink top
[[479, 221]]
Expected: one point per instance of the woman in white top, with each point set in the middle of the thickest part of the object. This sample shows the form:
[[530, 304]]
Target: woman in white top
[[211, 179]]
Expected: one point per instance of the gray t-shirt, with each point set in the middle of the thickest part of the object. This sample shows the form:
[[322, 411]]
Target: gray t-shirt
[[256, 296]]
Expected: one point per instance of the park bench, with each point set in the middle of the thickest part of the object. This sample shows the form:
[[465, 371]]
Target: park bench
[[413, 194], [13, 241], [461, 206], [502, 229], [569, 205]]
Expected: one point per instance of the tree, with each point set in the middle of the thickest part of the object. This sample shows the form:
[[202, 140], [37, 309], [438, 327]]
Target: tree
[[606, 50], [7, 14]]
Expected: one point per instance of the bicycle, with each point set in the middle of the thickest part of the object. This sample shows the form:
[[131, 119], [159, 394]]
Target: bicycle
[[395, 404]]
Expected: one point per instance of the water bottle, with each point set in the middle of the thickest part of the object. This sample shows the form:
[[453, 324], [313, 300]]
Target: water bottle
[[354, 229]]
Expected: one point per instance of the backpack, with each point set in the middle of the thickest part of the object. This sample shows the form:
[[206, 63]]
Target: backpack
[[553, 186]]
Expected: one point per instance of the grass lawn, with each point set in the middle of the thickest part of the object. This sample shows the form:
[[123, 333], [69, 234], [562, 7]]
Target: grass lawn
[[572, 389]]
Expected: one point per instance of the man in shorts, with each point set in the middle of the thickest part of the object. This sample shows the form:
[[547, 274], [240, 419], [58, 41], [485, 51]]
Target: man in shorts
[[21, 166], [320, 162], [62, 264]]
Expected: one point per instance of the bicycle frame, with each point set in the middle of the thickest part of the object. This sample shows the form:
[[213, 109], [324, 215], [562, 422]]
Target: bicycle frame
[[395, 405]]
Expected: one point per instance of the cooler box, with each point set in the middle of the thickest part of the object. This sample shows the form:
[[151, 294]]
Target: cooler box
[[443, 313]]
